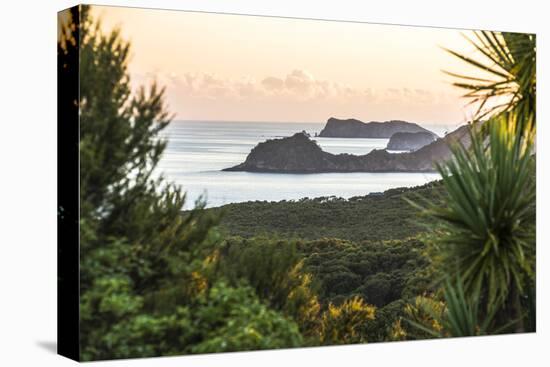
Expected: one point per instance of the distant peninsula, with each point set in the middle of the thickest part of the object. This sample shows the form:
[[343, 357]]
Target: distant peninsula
[[300, 154], [410, 141], [352, 128]]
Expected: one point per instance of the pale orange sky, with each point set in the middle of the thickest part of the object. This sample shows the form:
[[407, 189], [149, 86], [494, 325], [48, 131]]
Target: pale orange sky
[[248, 68]]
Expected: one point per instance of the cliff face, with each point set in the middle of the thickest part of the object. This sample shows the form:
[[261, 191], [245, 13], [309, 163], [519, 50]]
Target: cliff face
[[410, 141], [300, 154], [353, 128]]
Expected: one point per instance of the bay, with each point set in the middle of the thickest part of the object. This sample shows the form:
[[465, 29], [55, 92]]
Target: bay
[[197, 151]]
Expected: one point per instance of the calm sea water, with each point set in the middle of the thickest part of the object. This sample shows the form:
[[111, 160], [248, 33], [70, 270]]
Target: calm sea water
[[198, 150]]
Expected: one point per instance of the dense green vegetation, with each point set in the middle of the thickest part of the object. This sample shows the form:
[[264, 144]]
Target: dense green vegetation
[[154, 281], [372, 217], [159, 281], [485, 234], [385, 274], [142, 292]]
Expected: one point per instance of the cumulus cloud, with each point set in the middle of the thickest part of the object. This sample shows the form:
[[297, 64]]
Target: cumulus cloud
[[299, 81], [297, 86], [296, 96], [272, 83], [302, 85]]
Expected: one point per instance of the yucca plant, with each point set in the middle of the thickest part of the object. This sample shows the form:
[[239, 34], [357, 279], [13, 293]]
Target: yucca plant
[[485, 234], [486, 231], [463, 315], [510, 68], [460, 315]]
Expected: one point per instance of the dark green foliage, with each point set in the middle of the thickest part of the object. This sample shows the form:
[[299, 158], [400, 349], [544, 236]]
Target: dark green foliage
[[220, 319], [385, 274], [463, 314], [486, 233], [274, 269], [373, 217], [156, 281], [381, 328], [141, 283], [457, 316], [265, 263], [303, 278], [232, 319], [380, 272], [119, 149]]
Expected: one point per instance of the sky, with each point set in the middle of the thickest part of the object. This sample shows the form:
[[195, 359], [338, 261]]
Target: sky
[[252, 68]]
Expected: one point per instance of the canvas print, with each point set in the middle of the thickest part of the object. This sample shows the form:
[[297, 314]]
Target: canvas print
[[238, 183]]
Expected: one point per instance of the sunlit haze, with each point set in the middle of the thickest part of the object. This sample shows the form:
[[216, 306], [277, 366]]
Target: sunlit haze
[[251, 68]]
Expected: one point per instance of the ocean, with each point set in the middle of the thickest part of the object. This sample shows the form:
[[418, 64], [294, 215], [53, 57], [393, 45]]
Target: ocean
[[197, 151]]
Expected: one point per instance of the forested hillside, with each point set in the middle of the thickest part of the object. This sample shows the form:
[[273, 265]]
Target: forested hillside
[[379, 216], [447, 259], [366, 247]]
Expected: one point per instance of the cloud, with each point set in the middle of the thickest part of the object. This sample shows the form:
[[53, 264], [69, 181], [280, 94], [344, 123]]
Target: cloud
[[296, 86], [302, 85], [298, 96], [300, 82], [272, 83]]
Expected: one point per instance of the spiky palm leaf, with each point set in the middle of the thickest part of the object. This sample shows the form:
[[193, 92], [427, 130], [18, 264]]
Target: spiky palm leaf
[[461, 315], [511, 74], [486, 228]]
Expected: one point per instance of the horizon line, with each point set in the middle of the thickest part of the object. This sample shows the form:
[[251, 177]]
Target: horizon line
[[312, 122]]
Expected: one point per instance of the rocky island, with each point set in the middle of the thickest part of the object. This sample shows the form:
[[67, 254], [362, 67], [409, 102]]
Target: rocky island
[[410, 141], [300, 154], [352, 128]]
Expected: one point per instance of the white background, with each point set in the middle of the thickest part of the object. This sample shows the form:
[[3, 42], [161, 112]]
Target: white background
[[28, 183]]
